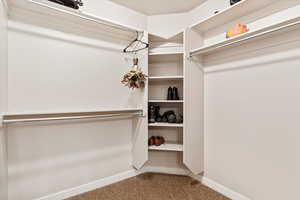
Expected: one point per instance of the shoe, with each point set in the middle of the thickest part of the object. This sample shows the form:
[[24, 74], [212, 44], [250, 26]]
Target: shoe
[[157, 114], [159, 140], [151, 114], [179, 119], [151, 141], [170, 93], [175, 94]]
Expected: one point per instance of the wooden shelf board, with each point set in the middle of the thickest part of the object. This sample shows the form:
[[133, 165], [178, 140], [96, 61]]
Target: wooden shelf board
[[165, 125], [251, 35], [166, 101], [167, 147], [236, 11], [166, 78]]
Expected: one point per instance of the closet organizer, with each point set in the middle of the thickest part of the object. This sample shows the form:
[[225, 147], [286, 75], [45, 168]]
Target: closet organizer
[[165, 63], [183, 61]]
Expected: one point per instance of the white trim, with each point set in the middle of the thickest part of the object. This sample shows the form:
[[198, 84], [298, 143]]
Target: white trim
[[223, 190], [90, 186], [53, 34]]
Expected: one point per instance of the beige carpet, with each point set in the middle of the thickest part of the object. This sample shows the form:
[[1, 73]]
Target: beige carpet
[[152, 186]]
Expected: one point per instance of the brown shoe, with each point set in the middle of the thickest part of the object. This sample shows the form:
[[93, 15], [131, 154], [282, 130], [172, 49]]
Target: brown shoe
[[151, 141], [159, 141]]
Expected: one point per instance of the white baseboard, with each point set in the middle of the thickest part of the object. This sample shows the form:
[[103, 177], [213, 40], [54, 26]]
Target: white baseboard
[[90, 186], [132, 173], [223, 190]]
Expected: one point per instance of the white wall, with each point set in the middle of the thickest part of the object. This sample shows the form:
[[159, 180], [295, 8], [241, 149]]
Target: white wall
[[114, 12], [3, 96], [52, 70], [167, 26], [252, 118]]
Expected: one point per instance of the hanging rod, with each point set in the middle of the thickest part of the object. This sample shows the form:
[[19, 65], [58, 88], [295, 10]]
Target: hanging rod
[[84, 16], [39, 117]]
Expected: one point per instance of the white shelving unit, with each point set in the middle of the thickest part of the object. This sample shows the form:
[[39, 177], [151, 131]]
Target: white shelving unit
[[166, 70], [167, 147]]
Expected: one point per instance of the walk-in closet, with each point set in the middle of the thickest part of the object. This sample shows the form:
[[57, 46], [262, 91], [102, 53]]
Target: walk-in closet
[[149, 99]]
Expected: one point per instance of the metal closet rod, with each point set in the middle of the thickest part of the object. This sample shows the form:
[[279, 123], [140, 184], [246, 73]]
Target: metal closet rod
[[9, 119], [85, 16]]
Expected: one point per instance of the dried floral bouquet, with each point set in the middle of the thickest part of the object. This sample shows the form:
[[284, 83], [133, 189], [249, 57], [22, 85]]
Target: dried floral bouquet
[[135, 78]]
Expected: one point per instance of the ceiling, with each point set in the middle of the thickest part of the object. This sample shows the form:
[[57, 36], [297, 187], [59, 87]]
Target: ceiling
[[158, 7]]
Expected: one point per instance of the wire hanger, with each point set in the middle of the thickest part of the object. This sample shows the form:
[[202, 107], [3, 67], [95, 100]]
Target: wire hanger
[[138, 42]]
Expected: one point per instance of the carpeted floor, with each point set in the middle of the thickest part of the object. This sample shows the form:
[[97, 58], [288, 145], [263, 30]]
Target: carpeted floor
[[152, 186]]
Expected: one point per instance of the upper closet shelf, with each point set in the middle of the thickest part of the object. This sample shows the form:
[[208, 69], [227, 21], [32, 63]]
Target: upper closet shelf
[[81, 17], [234, 12], [247, 37]]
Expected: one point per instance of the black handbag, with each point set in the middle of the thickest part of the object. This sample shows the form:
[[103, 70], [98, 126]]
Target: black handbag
[[232, 2], [69, 3]]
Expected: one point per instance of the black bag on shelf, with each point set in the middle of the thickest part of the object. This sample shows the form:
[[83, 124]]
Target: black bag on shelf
[[69, 3], [232, 2]]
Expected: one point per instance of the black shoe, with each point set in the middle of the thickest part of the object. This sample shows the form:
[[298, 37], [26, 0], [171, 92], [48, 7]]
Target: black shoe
[[170, 94], [175, 94]]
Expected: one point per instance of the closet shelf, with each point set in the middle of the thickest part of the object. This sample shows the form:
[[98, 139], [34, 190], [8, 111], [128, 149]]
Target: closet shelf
[[167, 78], [82, 17], [166, 101], [234, 12], [165, 53], [167, 147], [247, 37], [165, 125]]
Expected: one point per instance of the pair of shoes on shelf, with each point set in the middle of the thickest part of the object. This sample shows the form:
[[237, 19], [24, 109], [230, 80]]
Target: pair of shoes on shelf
[[156, 140], [154, 114], [173, 93]]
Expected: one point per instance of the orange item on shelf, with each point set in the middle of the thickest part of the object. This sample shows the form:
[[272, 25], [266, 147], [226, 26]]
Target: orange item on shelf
[[237, 30]]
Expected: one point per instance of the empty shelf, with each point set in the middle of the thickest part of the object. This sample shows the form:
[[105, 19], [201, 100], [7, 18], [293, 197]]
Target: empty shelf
[[167, 147], [165, 53], [166, 78], [166, 101], [165, 125]]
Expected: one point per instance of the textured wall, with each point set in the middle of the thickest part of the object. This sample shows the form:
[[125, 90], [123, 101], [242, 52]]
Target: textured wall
[[3, 71]]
